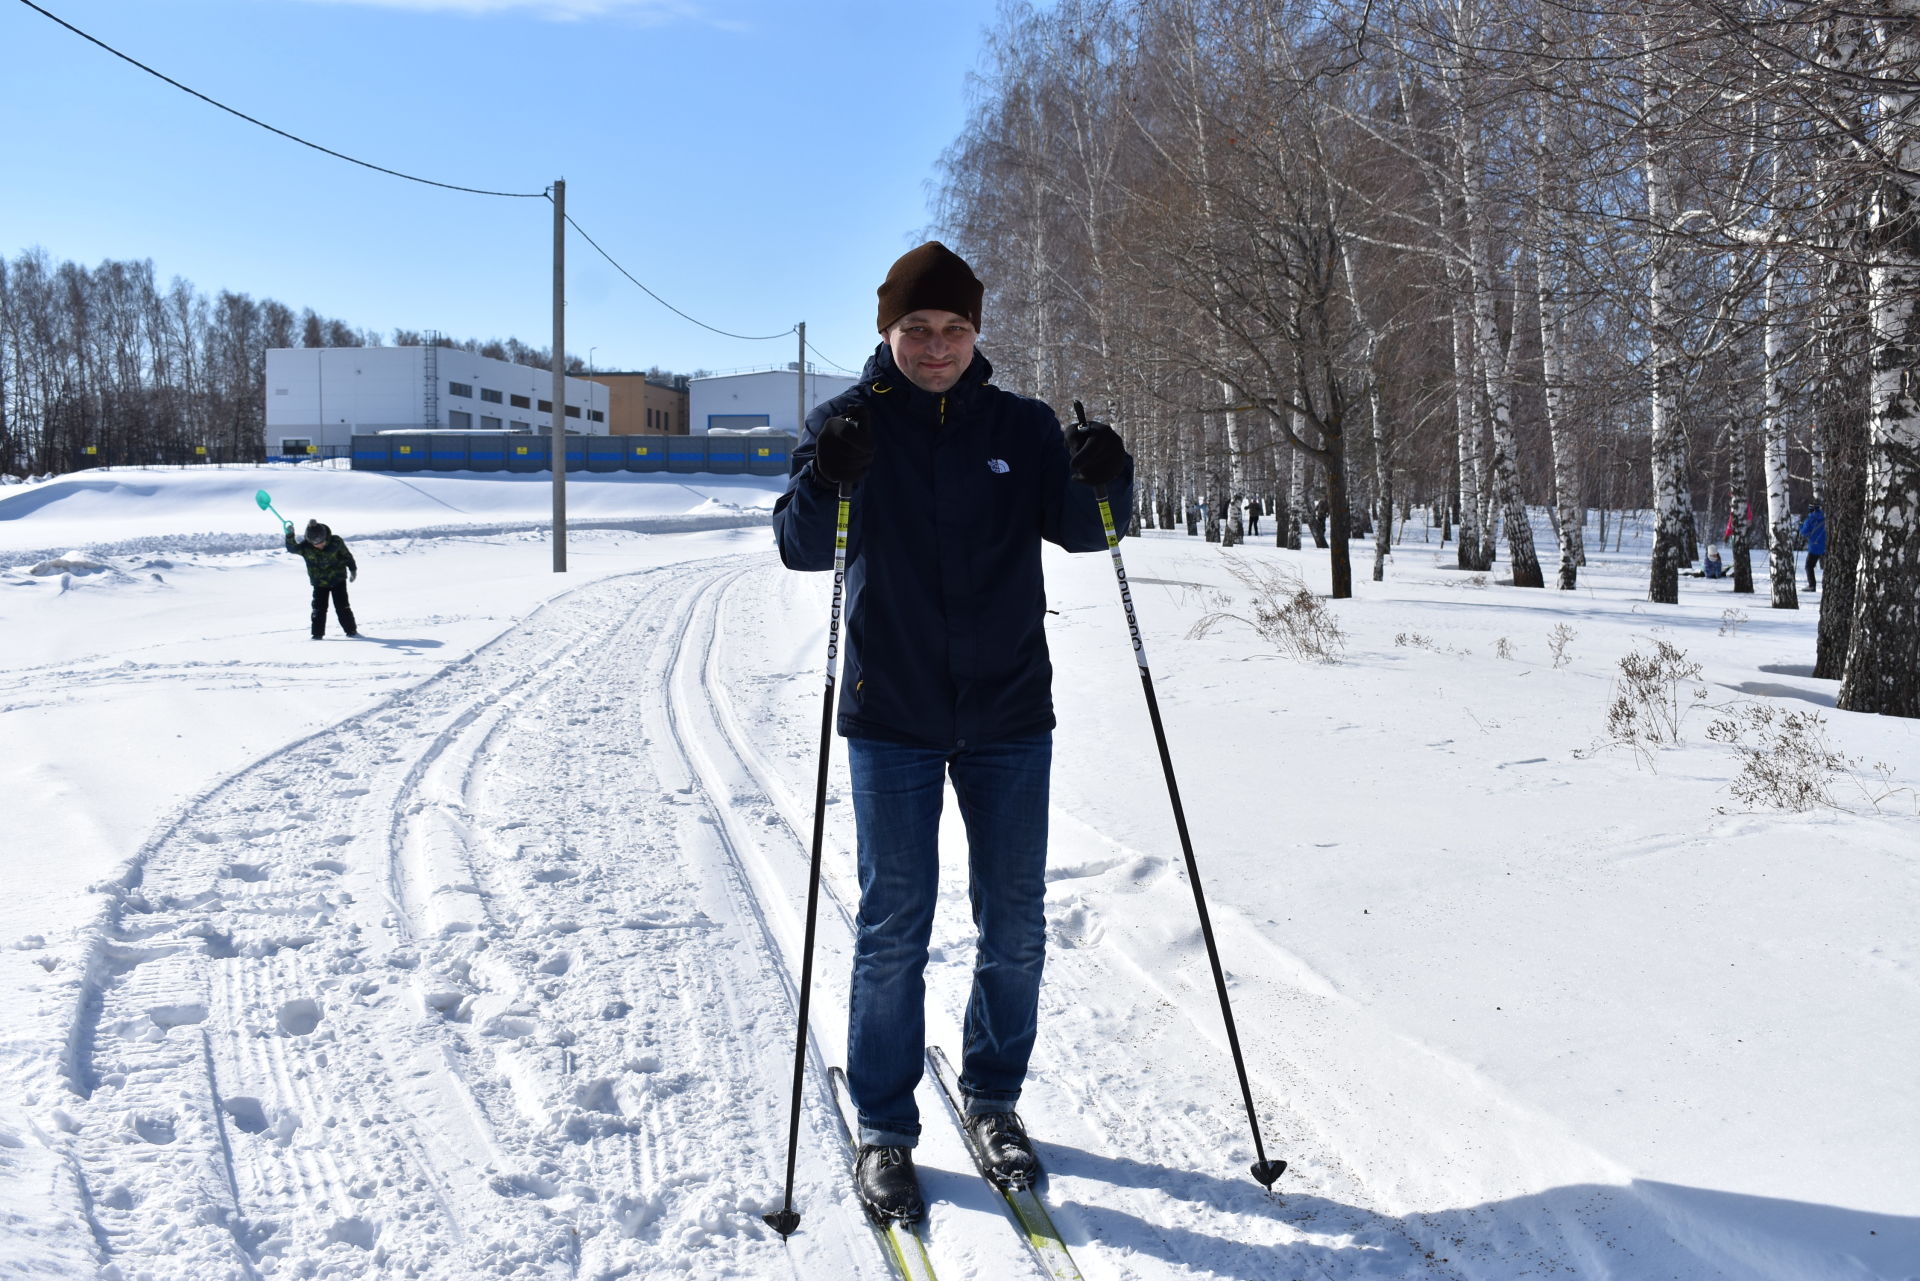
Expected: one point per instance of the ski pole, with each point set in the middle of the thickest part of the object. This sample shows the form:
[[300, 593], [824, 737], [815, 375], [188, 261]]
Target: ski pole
[[265, 502], [786, 1218], [1263, 1170]]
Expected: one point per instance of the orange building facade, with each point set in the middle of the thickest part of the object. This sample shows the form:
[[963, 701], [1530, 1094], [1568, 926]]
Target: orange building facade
[[638, 406]]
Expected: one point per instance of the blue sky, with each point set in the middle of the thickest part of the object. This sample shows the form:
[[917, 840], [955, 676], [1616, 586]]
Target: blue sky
[[755, 162]]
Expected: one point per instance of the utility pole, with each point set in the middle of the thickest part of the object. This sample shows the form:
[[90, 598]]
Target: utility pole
[[560, 376], [800, 383]]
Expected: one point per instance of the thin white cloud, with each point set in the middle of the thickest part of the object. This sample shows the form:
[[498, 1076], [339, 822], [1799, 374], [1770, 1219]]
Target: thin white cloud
[[649, 12]]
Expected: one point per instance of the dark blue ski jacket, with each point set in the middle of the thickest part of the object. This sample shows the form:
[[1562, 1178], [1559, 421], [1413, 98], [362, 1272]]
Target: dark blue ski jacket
[[1814, 527], [945, 604]]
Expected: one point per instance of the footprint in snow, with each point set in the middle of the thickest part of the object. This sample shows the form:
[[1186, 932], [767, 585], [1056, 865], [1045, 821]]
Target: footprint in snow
[[355, 1232], [154, 1129], [181, 1014]]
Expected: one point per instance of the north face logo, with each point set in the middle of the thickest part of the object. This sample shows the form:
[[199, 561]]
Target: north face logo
[[998, 465]]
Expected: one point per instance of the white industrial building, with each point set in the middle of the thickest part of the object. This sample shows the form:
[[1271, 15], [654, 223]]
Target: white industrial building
[[319, 397], [769, 399]]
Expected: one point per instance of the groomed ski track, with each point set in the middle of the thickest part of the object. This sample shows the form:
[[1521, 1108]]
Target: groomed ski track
[[496, 979]]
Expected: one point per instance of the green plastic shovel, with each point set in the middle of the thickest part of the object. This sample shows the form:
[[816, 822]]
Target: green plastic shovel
[[265, 500]]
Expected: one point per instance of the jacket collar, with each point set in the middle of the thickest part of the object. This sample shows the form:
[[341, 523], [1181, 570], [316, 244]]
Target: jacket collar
[[882, 378]]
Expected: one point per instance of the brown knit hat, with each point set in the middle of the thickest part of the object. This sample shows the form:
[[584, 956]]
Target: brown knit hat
[[932, 277]]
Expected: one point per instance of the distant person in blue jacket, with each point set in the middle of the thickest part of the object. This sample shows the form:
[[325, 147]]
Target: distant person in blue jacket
[[956, 483], [1814, 529]]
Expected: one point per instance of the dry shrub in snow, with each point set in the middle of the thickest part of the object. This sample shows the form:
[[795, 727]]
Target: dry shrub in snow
[[1648, 706], [1786, 762], [1557, 641], [1287, 615], [1730, 620]]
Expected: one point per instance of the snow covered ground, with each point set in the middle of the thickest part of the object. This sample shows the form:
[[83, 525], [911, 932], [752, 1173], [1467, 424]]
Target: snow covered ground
[[467, 949]]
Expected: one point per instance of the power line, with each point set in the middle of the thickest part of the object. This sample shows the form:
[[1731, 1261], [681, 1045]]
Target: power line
[[477, 191], [448, 186], [663, 302], [830, 360]]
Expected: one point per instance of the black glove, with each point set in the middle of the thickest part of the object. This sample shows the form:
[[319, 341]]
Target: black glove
[[353, 575], [1095, 453], [843, 451]]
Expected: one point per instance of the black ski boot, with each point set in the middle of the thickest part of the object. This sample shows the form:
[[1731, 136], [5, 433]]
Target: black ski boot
[[888, 1186], [1005, 1151]]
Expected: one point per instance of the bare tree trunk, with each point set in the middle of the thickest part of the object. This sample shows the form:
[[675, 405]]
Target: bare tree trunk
[[1566, 483], [1467, 552], [1739, 506], [1883, 655], [1296, 486], [1669, 440], [1780, 526], [1502, 469]]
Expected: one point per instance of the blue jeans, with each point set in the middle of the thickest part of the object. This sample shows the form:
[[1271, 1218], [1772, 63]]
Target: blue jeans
[[897, 794]]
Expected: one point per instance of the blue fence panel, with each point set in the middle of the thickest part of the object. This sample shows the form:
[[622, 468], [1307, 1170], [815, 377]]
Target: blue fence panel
[[527, 453], [410, 452], [487, 453], [372, 453], [686, 454], [606, 453], [727, 455], [448, 452], [645, 453], [769, 455]]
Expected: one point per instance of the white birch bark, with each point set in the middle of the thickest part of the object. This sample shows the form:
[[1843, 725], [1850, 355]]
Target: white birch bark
[[1883, 655], [1296, 485], [1783, 583], [1566, 479], [1502, 466], [1669, 439], [1467, 549]]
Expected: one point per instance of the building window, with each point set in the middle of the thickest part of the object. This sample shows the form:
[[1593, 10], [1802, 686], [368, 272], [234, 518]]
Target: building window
[[520, 426], [573, 411], [596, 415], [649, 420], [460, 389], [294, 445], [459, 418], [520, 402], [489, 395], [546, 406], [491, 424]]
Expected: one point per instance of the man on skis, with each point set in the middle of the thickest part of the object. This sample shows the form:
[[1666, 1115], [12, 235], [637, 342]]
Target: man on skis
[[955, 483]]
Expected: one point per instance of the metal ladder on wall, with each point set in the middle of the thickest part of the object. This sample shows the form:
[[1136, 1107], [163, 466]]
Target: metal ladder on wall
[[430, 403]]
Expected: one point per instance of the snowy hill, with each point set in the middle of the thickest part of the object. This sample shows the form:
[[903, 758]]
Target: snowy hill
[[466, 949]]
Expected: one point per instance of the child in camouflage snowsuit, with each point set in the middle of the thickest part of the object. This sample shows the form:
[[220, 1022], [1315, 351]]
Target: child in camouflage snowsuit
[[330, 567]]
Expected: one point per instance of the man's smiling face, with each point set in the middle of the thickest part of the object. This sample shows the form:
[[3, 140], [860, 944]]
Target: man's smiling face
[[932, 348]]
